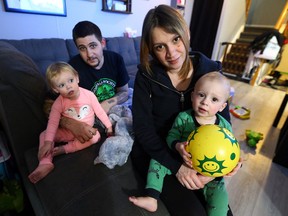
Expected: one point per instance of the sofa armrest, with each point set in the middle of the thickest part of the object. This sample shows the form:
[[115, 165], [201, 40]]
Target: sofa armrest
[[22, 95]]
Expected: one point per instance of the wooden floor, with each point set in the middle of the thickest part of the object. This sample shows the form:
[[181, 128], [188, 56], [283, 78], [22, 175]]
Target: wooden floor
[[260, 188]]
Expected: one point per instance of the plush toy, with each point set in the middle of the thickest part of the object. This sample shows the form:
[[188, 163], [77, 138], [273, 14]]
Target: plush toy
[[253, 137], [116, 149]]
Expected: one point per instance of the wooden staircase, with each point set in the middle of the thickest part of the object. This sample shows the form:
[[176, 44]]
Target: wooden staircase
[[236, 54]]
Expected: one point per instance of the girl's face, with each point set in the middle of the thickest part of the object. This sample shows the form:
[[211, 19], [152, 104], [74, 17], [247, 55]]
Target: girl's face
[[66, 84], [169, 49], [208, 98]]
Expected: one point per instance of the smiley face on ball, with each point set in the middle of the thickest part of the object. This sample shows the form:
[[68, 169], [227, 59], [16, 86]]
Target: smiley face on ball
[[214, 150]]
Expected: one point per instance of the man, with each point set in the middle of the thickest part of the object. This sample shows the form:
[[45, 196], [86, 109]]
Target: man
[[101, 71]]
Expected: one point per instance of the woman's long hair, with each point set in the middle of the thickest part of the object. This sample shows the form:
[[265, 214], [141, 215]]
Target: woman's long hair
[[171, 21]]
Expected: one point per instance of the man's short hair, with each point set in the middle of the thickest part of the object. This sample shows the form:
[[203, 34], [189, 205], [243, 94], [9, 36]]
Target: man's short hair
[[85, 28]]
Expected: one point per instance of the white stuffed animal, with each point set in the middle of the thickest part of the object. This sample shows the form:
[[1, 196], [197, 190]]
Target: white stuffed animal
[[116, 149]]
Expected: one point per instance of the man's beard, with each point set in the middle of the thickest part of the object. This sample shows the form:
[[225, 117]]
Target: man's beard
[[97, 64]]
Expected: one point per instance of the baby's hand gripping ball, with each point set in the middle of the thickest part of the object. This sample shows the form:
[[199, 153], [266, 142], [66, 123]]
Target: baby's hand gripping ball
[[214, 150]]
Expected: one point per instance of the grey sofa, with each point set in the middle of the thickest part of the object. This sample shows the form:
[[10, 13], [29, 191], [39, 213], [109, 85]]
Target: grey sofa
[[76, 186]]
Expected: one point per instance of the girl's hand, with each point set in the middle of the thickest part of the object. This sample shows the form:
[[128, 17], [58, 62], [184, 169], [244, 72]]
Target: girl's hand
[[45, 150], [181, 148], [109, 132]]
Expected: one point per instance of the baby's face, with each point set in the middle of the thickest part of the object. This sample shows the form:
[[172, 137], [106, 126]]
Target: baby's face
[[66, 84], [208, 98]]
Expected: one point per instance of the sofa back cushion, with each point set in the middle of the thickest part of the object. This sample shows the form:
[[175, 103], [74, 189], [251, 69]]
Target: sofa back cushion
[[125, 47], [137, 43], [43, 51], [72, 49], [128, 48]]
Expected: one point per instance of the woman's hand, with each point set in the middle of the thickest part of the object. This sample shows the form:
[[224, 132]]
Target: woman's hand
[[205, 179], [82, 131], [181, 148], [235, 170], [188, 178]]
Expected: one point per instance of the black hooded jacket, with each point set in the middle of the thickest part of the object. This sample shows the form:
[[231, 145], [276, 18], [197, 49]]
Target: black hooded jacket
[[156, 104]]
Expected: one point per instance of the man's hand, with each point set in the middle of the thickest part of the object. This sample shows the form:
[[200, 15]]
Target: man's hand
[[82, 131]]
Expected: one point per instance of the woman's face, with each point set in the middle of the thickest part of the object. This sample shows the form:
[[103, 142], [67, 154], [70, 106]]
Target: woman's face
[[169, 49]]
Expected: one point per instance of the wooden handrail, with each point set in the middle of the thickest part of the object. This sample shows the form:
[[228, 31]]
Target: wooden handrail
[[282, 17], [235, 43], [248, 4]]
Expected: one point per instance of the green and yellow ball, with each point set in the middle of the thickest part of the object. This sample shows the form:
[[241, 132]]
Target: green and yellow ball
[[214, 150]]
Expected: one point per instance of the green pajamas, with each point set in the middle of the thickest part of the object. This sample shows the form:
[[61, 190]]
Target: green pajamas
[[215, 193], [156, 175], [216, 197]]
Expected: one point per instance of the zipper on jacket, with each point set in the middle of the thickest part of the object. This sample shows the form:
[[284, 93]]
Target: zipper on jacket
[[182, 98], [180, 93]]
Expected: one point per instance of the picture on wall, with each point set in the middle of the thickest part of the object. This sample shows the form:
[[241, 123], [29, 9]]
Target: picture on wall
[[46, 7]]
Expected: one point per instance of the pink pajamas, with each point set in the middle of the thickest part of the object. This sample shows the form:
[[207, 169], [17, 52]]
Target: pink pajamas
[[82, 109]]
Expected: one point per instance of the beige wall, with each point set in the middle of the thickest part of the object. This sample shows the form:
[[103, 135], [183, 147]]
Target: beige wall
[[265, 12], [232, 22]]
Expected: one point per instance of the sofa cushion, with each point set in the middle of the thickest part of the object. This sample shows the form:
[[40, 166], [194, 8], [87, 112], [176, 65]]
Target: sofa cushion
[[125, 47], [97, 190], [137, 44], [43, 51], [72, 49], [132, 70]]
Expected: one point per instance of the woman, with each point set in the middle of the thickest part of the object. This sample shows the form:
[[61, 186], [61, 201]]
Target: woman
[[162, 89]]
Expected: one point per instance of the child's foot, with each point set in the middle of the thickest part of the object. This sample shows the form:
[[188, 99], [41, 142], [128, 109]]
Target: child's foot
[[148, 203], [58, 151], [40, 172]]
